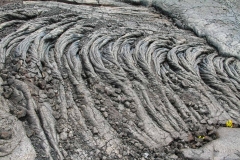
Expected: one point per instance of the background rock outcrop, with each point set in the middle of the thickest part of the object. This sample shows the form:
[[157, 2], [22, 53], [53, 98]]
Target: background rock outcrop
[[215, 20]]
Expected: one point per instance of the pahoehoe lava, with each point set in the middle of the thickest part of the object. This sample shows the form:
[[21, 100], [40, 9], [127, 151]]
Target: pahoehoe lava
[[108, 83]]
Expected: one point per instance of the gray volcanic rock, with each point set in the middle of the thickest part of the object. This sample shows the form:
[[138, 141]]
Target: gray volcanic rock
[[96, 2], [225, 147], [108, 82], [216, 20], [14, 143]]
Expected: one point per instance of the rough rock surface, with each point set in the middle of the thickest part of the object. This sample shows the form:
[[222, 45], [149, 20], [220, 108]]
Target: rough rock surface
[[3, 2], [216, 20], [225, 147], [14, 143], [109, 82]]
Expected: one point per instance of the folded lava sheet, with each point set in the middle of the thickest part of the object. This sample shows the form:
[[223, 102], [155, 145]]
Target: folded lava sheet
[[108, 82]]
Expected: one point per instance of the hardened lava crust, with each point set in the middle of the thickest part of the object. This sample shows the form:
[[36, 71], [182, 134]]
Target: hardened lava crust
[[110, 82]]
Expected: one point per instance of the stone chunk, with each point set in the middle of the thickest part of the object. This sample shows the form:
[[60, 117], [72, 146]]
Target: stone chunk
[[5, 134]]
